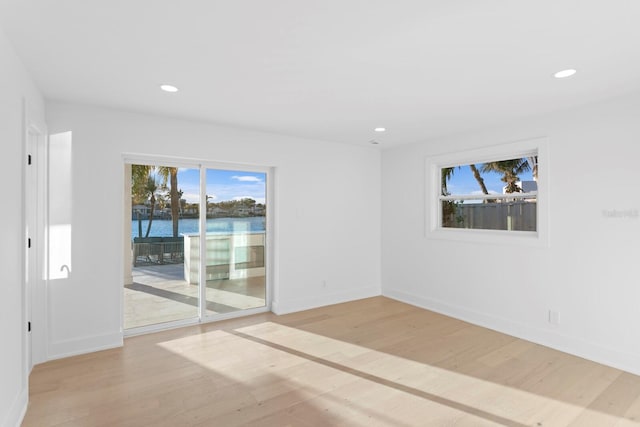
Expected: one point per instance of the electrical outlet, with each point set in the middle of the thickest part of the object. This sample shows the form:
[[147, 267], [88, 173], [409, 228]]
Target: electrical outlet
[[324, 284], [554, 317]]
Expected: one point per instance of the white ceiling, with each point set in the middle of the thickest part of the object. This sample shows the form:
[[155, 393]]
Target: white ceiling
[[331, 69]]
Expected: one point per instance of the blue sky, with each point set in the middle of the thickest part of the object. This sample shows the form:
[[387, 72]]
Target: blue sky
[[463, 182], [223, 185]]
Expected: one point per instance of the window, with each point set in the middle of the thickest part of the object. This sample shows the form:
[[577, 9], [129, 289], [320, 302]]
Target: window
[[495, 193]]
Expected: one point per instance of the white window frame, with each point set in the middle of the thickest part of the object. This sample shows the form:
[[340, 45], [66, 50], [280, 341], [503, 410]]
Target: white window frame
[[434, 165]]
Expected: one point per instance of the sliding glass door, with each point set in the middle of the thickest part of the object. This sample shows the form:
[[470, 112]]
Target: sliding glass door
[[198, 244], [165, 204], [236, 218]]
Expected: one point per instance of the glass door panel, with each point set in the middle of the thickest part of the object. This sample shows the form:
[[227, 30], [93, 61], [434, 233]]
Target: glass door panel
[[235, 259], [165, 230]]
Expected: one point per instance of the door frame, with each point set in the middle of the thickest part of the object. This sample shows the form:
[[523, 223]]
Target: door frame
[[269, 242], [34, 220]]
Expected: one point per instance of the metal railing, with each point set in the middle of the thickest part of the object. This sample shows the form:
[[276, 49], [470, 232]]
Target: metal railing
[[158, 250]]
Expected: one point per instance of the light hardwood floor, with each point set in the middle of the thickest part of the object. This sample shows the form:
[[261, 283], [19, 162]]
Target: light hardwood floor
[[373, 362]]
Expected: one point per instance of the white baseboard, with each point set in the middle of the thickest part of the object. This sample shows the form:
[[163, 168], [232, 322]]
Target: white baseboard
[[61, 349], [300, 304], [18, 410], [549, 338]]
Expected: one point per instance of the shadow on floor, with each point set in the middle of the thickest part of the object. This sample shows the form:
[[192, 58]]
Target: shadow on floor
[[178, 297]]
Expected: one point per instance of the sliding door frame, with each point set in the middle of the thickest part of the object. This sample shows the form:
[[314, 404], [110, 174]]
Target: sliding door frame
[[268, 171], [202, 165]]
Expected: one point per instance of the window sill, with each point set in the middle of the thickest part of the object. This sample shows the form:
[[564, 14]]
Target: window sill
[[495, 237]]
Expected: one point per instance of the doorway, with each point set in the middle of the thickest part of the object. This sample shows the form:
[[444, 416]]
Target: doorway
[[171, 279], [35, 218]]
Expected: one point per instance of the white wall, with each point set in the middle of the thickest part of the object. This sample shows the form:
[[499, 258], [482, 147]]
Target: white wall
[[327, 202], [16, 89], [590, 271]]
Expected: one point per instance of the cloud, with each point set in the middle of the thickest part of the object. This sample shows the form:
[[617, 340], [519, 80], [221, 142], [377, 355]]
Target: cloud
[[191, 197], [246, 178]]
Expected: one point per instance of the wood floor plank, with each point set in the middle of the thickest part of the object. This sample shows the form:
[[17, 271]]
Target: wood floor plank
[[372, 362]]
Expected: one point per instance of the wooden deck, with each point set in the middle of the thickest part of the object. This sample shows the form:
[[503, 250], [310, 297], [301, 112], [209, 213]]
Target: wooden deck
[[374, 362]]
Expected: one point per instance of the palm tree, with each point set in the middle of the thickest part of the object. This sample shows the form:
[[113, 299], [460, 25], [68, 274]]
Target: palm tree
[[446, 174], [139, 176], [476, 175], [171, 174], [533, 163], [183, 202], [510, 169], [151, 188], [448, 206], [144, 188]]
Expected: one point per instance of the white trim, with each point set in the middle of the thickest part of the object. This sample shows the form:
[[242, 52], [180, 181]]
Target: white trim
[[87, 344], [270, 238], [273, 215], [32, 226], [547, 337], [182, 162], [40, 307], [24, 258], [157, 327], [18, 407], [202, 246], [240, 167], [17, 410], [433, 165], [234, 314], [307, 303], [35, 183], [158, 160]]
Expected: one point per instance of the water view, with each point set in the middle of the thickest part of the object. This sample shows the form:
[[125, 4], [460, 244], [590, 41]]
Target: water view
[[164, 227]]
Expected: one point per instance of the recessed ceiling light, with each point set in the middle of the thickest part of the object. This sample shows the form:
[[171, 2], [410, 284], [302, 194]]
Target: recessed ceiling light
[[168, 88], [564, 73], [380, 129]]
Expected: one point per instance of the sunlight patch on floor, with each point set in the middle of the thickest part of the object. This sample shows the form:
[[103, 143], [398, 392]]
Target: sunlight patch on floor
[[326, 370]]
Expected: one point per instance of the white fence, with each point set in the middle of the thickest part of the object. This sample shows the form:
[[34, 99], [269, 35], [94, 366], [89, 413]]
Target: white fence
[[516, 215]]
